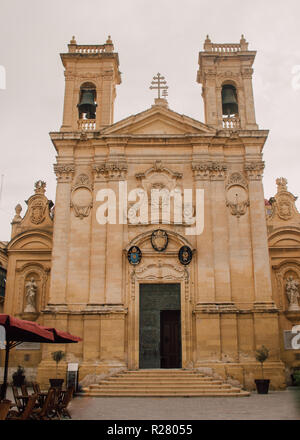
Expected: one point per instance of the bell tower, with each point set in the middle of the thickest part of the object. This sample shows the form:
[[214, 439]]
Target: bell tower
[[225, 72], [91, 75]]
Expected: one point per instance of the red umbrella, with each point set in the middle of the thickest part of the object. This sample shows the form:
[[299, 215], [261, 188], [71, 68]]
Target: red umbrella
[[18, 331]]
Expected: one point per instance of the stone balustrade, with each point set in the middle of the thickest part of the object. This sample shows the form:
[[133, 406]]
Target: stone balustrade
[[90, 49], [86, 124], [225, 47], [231, 122]]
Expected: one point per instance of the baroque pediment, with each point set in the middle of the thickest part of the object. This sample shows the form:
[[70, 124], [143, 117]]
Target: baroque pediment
[[158, 120]]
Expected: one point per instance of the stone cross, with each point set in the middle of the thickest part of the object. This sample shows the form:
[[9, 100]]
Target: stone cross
[[159, 83]]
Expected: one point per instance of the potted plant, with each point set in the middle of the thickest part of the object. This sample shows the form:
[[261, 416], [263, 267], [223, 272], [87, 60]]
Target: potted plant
[[262, 385], [19, 376], [57, 356]]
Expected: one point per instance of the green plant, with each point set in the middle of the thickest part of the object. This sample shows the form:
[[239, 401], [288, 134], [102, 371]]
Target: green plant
[[58, 356], [262, 355], [297, 378]]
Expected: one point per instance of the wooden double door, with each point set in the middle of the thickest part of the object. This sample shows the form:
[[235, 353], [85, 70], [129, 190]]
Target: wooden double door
[[160, 326]]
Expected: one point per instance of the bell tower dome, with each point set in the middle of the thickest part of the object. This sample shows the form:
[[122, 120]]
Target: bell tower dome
[[225, 72], [91, 75]]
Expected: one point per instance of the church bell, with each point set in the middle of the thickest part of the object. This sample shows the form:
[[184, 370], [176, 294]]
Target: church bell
[[229, 101], [87, 104]]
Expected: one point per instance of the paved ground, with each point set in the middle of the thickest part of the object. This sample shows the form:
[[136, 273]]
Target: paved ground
[[277, 405]]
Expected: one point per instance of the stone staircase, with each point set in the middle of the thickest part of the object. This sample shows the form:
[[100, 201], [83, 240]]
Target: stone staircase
[[163, 383]]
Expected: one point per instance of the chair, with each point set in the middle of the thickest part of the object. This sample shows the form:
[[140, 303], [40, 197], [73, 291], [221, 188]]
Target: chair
[[49, 409], [4, 408], [36, 388], [20, 401], [24, 390], [28, 410], [62, 406]]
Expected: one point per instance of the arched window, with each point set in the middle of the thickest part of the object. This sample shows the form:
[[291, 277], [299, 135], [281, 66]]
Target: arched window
[[229, 100], [87, 101]]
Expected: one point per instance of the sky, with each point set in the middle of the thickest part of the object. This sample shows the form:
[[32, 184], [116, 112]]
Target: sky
[[150, 36]]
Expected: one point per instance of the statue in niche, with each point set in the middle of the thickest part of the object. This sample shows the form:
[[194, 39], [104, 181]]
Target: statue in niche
[[292, 292], [31, 291]]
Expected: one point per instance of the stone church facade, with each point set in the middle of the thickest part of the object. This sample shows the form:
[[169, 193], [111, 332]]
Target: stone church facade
[[122, 286]]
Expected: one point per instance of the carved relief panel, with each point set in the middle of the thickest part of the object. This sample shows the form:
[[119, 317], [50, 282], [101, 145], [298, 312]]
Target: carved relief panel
[[82, 196], [237, 194]]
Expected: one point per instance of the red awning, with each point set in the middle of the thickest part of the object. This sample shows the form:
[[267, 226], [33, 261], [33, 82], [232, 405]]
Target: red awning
[[19, 330], [61, 337]]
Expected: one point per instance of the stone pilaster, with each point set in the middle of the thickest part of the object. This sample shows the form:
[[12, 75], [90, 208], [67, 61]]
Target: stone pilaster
[[98, 244], [259, 238], [220, 233], [57, 294], [68, 102], [205, 256], [115, 171]]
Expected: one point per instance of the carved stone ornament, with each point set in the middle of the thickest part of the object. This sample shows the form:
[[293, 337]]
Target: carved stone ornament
[[185, 255], [81, 196], [134, 255], [159, 240], [237, 194], [284, 208], [283, 204], [38, 212]]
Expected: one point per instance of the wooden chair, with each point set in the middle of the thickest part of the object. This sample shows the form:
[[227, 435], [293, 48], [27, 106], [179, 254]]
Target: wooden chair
[[24, 390], [63, 405], [36, 387], [49, 409], [4, 408], [28, 410], [19, 399]]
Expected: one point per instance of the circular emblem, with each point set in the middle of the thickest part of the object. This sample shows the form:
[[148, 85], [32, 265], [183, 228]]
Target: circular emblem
[[159, 240], [185, 255], [134, 255]]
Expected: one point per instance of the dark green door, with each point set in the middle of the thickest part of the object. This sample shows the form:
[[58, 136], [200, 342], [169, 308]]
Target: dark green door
[[154, 299]]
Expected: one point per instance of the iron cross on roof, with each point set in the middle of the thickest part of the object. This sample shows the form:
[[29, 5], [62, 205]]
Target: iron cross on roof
[[159, 83]]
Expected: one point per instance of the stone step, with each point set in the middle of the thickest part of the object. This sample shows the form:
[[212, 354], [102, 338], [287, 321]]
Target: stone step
[[160, 387], [213, 393], [162, 383]]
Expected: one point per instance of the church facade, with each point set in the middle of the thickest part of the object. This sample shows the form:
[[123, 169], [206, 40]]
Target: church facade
[[162, 292]]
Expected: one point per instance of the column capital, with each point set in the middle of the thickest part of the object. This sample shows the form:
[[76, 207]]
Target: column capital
[[209, 170], [64, 172], [254, 170], [110, 170]]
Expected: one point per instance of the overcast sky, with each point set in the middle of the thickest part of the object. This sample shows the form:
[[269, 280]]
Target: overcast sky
[[150, 36]]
